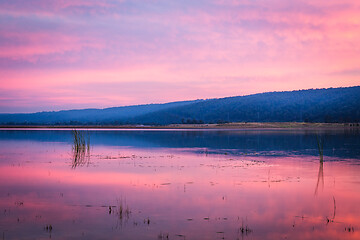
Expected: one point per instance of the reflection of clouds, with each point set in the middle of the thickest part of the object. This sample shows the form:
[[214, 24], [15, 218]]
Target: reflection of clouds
[[268, 212]]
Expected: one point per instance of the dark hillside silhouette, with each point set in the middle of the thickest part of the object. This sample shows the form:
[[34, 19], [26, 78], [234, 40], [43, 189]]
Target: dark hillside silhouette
[[314, 105]]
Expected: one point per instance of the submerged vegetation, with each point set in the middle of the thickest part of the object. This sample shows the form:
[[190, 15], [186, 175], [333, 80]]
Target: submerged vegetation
[[122, 212], [80, 148]]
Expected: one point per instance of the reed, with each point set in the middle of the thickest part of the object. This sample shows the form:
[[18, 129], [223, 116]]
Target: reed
[[123, 211], [320, 146], [80, 148]]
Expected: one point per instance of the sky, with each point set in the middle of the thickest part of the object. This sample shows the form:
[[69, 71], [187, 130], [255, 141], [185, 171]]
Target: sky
[[73, 54]]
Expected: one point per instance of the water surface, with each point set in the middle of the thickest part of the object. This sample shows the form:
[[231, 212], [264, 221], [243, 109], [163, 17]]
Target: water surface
[[133, 184]]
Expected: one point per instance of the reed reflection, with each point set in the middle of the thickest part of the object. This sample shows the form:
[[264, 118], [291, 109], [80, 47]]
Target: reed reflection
[[320, 177], [80, 148]]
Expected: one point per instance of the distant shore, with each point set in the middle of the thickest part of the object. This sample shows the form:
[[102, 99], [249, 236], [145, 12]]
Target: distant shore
[[238, 125]]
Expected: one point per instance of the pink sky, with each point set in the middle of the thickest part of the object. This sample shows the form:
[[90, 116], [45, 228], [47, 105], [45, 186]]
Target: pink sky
[[79, 54]]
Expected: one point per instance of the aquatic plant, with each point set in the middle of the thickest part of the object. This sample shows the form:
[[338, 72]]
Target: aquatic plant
[[320, 146], [163, 236], [79, 140], [122, 212], [244, 229], [80, 148], [333, 217]]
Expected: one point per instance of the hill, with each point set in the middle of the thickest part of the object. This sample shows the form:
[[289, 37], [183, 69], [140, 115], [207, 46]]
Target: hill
[[313, 105], [86, 116]]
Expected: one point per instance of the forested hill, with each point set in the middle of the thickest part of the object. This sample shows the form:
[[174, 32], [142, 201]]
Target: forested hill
[[87, 116], [314, 105], [319, 105]]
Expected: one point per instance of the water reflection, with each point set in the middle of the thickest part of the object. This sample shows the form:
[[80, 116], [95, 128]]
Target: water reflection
[[320, 145], [339, 143], [194, 191]]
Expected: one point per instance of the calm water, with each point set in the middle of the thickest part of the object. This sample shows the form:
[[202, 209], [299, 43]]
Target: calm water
[[180, 185]]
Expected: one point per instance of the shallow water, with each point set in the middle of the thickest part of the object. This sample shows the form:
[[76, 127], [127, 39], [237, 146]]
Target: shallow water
[[180, 185]]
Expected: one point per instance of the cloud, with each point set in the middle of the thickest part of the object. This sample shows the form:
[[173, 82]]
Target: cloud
[[186, 45], [354, 72]]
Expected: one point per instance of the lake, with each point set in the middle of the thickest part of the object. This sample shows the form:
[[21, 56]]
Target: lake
[[179, 184]]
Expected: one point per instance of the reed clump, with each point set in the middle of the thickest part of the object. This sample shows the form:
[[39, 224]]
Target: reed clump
[[80, 148], [122, 211]]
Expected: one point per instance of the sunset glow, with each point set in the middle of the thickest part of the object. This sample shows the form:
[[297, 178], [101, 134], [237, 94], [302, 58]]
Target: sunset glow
[[94, 54]]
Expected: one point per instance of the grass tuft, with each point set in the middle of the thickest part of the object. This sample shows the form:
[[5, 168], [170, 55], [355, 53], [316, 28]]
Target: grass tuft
[[80, 148]]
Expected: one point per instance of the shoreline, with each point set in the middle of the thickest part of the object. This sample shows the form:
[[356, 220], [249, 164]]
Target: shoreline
[[224, 126]]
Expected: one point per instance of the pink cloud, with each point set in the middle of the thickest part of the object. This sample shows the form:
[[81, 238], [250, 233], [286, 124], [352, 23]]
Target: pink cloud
[[192, 49]]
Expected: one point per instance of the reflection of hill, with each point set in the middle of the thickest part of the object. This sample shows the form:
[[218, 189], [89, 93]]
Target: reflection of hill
[[343, 144]]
